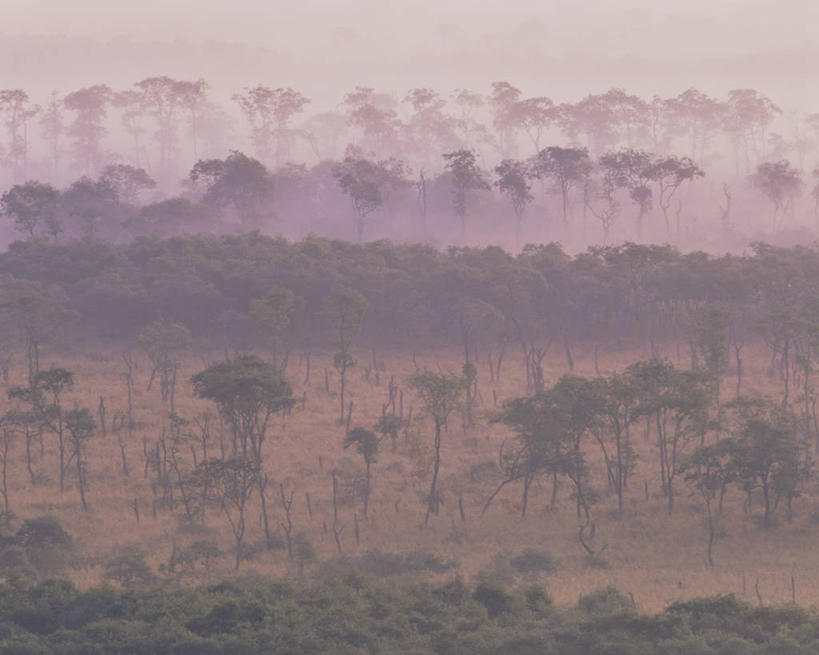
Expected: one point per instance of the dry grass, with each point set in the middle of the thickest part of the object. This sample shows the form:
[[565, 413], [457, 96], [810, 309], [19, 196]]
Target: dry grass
[[656, 558]]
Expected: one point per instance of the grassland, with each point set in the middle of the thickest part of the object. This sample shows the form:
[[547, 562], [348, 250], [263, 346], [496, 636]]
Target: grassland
[[656, 558]]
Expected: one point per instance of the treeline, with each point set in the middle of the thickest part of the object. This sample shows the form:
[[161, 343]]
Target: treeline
[[160, 118], [221, 288], [357, 615], [611, 164]]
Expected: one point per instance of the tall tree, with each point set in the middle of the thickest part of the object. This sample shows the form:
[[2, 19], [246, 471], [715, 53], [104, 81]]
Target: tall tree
[[269, 113], [88, 128], [345, 311], [16, 111], [440, 394], [52, 125], [669, 173], [513, 181], [466, 176], [359, 179], [366, 444], [247, 392], [238, 185], [780, 183], [32, 205], [568, 168]]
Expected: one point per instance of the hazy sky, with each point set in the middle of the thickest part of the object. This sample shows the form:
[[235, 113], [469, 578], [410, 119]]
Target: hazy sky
[[574, 45], [620, 26]]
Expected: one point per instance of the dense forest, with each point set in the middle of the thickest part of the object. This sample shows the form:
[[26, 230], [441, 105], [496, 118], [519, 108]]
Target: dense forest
[[358, 615]]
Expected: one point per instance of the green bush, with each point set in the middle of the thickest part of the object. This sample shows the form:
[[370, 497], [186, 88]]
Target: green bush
[[533, 561]]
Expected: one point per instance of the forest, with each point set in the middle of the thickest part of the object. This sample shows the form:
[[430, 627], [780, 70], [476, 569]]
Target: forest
[[475, 372], [163, 158]]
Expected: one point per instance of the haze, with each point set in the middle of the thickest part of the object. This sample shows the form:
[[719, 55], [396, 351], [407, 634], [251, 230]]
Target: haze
[[325, 47]]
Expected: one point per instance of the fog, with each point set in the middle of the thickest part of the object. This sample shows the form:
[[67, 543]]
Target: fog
[[324, 50]]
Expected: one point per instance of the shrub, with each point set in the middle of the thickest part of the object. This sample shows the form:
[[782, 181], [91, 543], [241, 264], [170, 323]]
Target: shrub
[[533, 561], [128, 567], [609, 600]]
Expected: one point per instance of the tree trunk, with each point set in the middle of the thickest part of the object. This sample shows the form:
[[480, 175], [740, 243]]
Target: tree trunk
[[433, 489]]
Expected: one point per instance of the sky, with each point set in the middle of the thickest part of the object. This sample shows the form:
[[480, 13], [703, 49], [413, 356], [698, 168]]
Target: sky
[[574, 45], [625, 26]]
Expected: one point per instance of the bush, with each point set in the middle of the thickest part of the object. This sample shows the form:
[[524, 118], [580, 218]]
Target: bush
[[493, 597], [533, 561], [380, 564], [128, 567], [47, 545], [605, 601]]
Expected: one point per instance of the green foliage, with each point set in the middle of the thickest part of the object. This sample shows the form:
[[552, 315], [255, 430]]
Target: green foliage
[[605, 601], [380, 564], [358, 615], [365, 441], [493, 597], [247, 391], [243, 384], [127, 567], [533, 561], [40, 548]]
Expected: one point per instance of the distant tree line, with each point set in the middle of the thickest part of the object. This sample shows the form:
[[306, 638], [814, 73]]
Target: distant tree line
[[590, 162]]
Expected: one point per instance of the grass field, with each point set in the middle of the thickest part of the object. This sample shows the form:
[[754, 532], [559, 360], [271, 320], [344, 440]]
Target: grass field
[[654, 557]]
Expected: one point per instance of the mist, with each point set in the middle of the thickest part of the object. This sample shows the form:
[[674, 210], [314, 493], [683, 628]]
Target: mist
[[391, 326]]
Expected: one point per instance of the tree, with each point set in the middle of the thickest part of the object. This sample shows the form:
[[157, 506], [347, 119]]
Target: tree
[[192, 97], [237, 184], [677, 403], [814, 192], [35, 312], [747, 117], [506, 117], [780, 183], [345, 311], [53, 128], [128, 568], [766, 453], [303, 551], [269, 113], [513, 181], [81, 427], [709, 332], [127, 182], [429, 128], [88, 128], [32, 205], [535, 116], [17, 111], [229, 483], [618, 413], [374, 114], [466, 176], [359, 179], [631, 170], [669, 173], [440, 394], [539, 448], [696, 117], [388, 425], [708, 470], [163, 342], [247, 392], [366, 444], [43, 394], [568, 168], [274, 314], [92, 204]]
